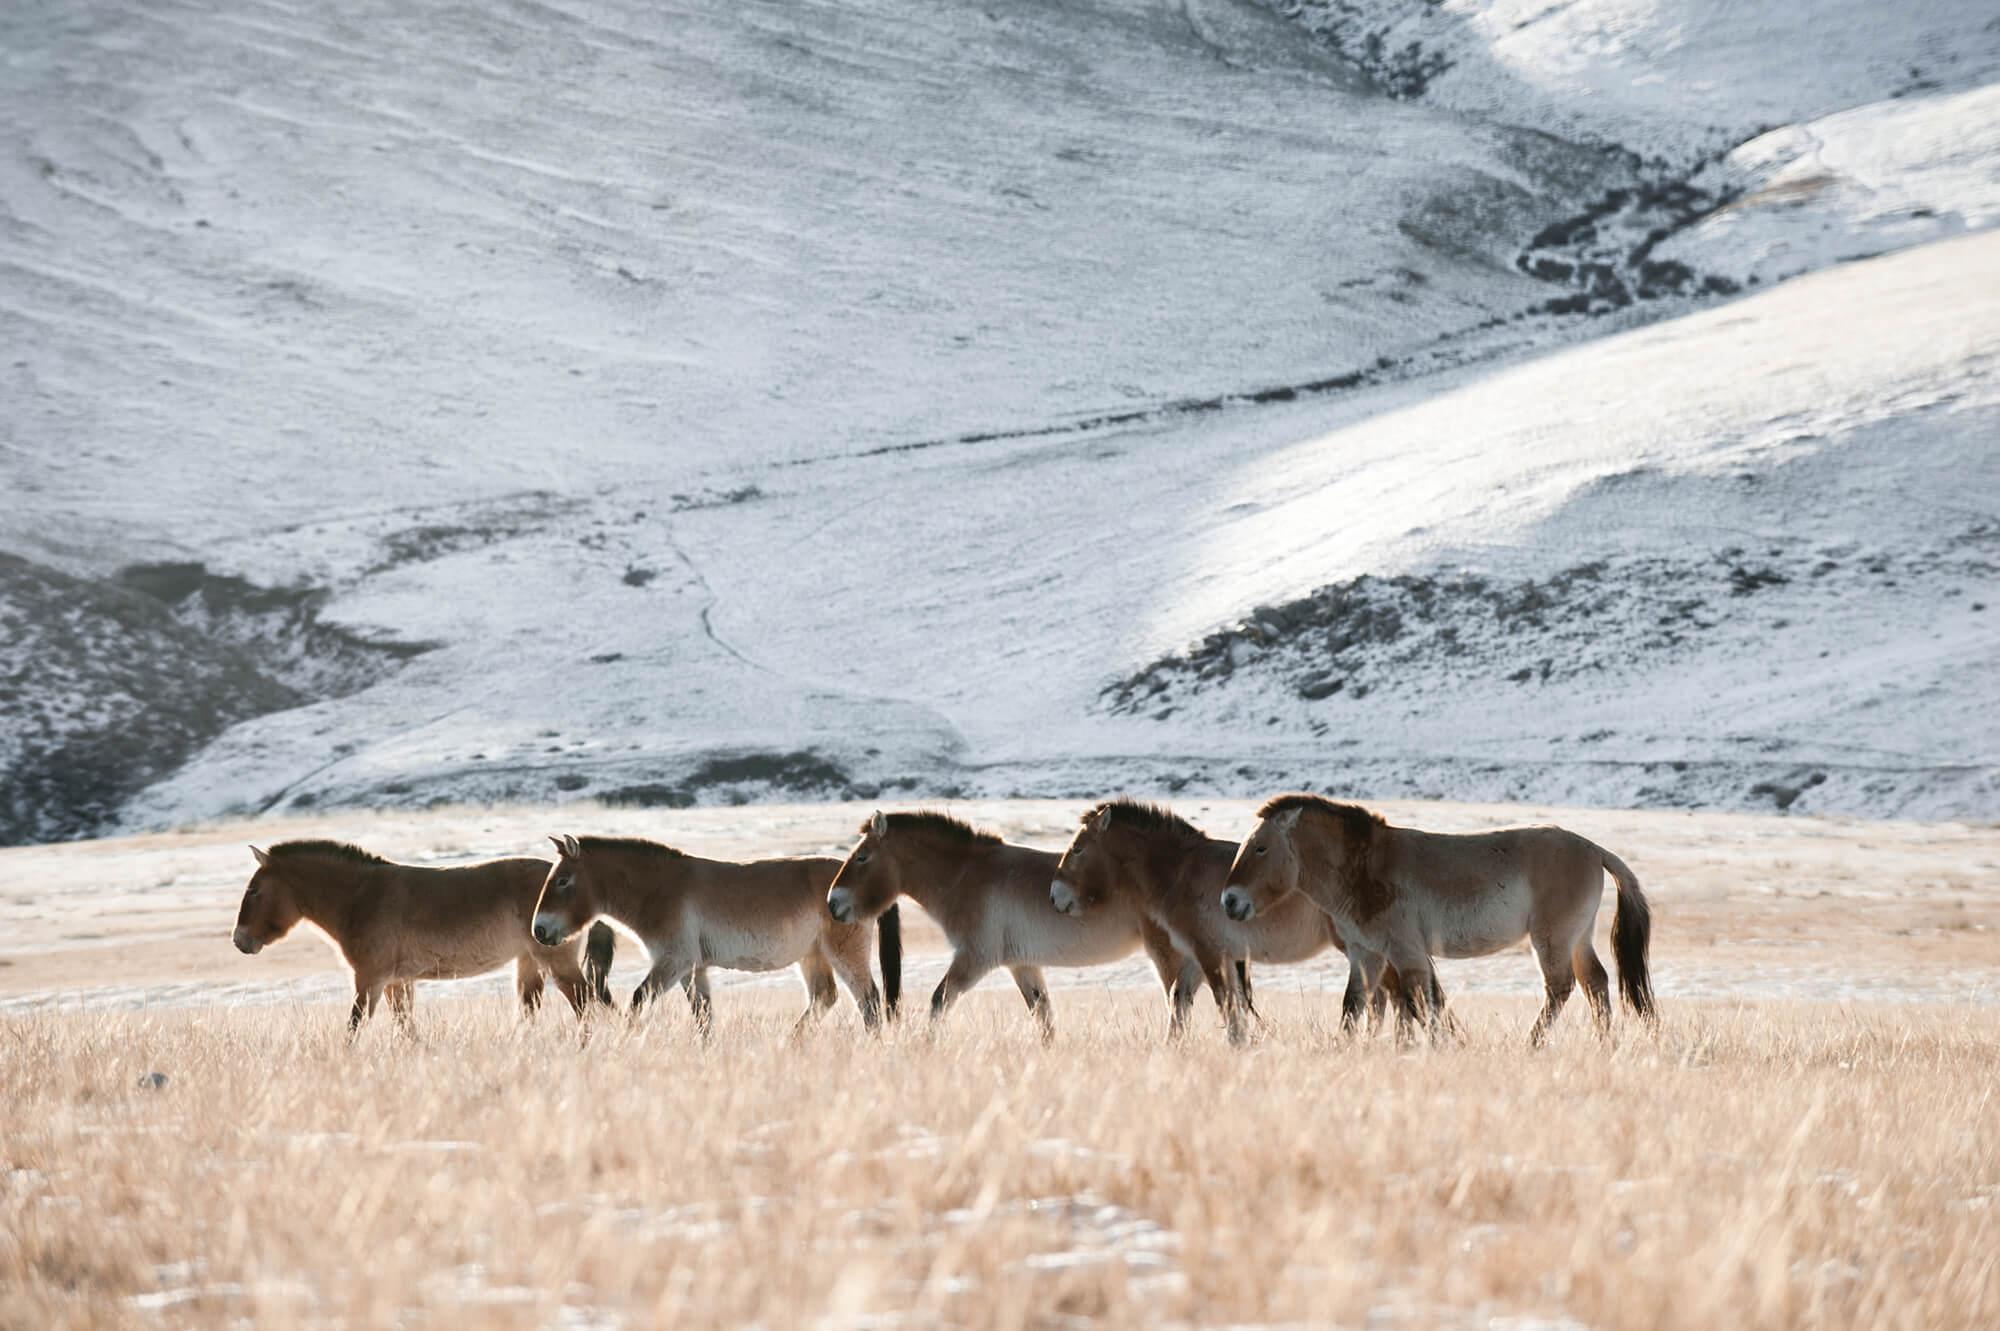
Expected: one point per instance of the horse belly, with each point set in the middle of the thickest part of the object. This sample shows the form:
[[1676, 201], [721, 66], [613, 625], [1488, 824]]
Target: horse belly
[[1046, 938], [1478, 929], [744, 948], [460, 956]]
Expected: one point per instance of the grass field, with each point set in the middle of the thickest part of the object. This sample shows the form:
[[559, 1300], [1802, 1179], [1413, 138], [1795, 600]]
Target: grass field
[[1776, 1158], [1773, 1166]]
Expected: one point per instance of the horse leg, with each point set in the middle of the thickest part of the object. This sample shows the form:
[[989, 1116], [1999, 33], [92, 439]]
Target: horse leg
[[1171, 967], [1558, 978], [528, 983], [1221, 977], [1186, 987], [1243, 990], [402, 996], [847, 952], [1590, 973], [367, 992], [667, 972], [1028, 979], [1414, 982], [965, 970], [1354, 1001], [820, 991], [695, 985], [1377, 979], [561, 965]]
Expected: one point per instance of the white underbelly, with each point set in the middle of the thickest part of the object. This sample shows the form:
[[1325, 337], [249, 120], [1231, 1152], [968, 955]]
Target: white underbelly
[[1049, 938], [772, 948]]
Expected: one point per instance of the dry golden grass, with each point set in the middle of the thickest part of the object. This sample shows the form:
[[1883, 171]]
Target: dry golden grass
[[1774, 1165]]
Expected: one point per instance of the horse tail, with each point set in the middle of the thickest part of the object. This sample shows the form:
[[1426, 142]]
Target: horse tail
[[889, 944], [597, 948], [1631, 931]]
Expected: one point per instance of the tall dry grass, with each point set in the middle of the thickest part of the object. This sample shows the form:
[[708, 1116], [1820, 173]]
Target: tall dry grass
[[1769, 1166]]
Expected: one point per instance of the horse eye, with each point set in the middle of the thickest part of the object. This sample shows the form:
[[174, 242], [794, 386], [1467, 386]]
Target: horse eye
[[1262, 849], [861, 859]]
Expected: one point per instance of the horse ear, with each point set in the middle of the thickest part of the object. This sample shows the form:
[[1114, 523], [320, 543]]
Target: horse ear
[[879, 824], [571, 848], [263, 856], [561, 849], [1289, 818], [1104, 817]]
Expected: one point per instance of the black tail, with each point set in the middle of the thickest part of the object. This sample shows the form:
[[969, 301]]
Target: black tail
[[1243, 979], [889, 944], [1631, 931], [597, 948]]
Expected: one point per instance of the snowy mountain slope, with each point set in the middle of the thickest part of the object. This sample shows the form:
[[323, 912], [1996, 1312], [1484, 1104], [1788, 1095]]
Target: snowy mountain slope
[[449, 253], [955, 616], [852, 397], [1874, 179], [1674, 81]]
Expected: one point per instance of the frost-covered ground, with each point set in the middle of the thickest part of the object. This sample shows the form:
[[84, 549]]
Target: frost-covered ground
[[686, 403]]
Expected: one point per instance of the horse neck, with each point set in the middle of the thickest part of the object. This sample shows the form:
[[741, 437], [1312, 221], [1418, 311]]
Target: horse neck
[[932, 868], [630, 882], [1166, 865], [1350, 886], [322, 892]]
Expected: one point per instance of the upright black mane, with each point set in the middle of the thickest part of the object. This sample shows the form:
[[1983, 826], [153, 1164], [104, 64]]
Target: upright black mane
[[1150, 817], [332, 850], [641, 844], [1357, 824], [938, 824]]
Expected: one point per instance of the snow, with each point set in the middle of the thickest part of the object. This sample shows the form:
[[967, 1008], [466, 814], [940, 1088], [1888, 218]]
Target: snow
[[1881, 177], [847, 398]]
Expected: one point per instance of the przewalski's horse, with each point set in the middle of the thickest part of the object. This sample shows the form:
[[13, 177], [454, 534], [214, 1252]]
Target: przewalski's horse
[[692, 914], [1404, 896], [1173, 873], [396, 924], [991, 898]]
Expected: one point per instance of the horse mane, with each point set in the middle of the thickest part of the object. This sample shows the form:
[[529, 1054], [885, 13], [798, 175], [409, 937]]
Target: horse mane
[[630, 843], [1146, 817], [1359, 829], [324, 849], [938, 824], [1357, 824]]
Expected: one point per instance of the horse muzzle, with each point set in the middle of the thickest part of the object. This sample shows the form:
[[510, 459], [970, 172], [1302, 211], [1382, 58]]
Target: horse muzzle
[[547, 930], [1236, 905], [840, 905], [245, 944], [1063, 897]]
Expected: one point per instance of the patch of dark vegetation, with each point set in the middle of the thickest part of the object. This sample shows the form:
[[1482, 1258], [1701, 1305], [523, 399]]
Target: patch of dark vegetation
[[1403, 70], [106, 691], [1605, 253], [280, 628], [110, 685], [1315, 659], [739, 778], [1784, 794], [687, 503], [636, 576]]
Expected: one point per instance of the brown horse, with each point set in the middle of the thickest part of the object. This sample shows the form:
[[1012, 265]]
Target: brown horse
[[1403, 896], [692, 913], [991, 899], [395, 924], [1173, 873]]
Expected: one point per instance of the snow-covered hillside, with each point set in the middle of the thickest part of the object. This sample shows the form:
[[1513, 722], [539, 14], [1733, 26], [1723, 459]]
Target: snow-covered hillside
[[682, 403]]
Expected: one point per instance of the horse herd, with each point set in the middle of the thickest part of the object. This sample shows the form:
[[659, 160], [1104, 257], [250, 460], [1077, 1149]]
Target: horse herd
[[1312, 874]]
